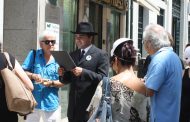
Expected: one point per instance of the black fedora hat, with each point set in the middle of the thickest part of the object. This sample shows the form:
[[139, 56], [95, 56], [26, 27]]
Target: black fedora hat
[[84, 28]]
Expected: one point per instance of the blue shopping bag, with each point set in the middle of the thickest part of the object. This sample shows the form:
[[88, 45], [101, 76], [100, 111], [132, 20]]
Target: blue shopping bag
[[103, 112]]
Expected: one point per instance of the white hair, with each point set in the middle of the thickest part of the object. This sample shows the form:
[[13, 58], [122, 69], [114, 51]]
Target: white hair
[[157, 36], [46, 33]]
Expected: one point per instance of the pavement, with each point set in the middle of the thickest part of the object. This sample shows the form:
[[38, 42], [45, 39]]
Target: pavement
[[62, 120]]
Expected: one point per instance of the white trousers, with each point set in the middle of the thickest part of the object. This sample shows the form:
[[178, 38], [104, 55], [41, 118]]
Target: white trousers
[[44, 116]]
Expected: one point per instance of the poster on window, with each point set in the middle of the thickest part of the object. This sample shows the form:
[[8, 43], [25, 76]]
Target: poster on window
[[54, 28]]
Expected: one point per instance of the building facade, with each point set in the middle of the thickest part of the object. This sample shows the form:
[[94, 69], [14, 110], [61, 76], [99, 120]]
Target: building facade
[[21, 22], [171, 14]]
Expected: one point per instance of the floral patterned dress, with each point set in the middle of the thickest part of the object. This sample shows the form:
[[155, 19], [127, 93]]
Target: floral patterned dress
[[127, 105]]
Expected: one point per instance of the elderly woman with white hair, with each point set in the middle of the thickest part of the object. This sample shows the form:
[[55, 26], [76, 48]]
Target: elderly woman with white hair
[[42, 69]]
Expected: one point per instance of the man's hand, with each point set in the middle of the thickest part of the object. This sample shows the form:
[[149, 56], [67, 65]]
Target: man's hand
[[77, 71]]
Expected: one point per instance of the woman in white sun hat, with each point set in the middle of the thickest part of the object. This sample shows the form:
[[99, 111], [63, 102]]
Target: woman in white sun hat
[[127, 105]]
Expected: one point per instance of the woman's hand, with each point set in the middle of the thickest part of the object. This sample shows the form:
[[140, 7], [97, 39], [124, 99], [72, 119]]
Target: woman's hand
[[47, 82], [36, 77]]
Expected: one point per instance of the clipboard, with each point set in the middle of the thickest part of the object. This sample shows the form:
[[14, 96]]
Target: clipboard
[[64, 59]]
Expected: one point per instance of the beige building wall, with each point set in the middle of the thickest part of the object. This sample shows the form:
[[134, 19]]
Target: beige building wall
[[20, 23], [24, 20]]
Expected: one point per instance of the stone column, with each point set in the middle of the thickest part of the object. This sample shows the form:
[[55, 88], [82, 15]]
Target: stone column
[[183, 26]]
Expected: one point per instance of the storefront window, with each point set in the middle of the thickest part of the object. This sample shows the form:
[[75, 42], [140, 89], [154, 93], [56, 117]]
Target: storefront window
[[53, 2], [113, 32], [68, 24], [95, 17], [160, 18], [114, 27], [176, 33], [176, 6], [140, 29]]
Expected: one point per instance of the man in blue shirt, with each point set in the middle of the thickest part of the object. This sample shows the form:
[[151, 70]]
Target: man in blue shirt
[[41, 67], [164, 76]]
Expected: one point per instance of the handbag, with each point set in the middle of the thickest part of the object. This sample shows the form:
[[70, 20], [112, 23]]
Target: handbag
[[19, 99], [103, 112]]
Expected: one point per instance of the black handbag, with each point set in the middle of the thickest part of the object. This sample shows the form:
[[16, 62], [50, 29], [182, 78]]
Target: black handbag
[[103, 112]]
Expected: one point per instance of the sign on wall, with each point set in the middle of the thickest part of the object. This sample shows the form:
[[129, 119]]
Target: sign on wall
[[55, 29]]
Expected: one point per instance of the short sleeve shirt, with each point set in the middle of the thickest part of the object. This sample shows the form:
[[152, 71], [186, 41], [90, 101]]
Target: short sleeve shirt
[[164, 76], [46, 97]]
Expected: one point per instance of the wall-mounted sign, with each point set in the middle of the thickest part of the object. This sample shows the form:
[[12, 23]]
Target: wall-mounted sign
[[118, 4], [54, 28]]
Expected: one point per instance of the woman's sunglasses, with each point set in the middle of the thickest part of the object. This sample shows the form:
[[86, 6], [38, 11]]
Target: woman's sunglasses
[[48, 41]]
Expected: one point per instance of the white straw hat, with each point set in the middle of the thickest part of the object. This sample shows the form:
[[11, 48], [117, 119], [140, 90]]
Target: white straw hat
[[117, 43]]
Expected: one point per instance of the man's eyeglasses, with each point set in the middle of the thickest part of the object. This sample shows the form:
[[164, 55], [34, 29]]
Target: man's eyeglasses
[[48, 41]]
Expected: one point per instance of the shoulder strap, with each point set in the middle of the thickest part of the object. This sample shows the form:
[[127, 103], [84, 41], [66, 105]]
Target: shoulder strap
[[186, 72], [8, 60], [107, 97], [12, 60], [34, 53], [4, 63], [34, 59], [106, 87]]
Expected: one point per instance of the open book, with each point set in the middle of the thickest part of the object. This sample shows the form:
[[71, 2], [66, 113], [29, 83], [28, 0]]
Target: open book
[[64, 59]]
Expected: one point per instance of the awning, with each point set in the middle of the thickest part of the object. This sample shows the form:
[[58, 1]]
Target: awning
[[150, 5]]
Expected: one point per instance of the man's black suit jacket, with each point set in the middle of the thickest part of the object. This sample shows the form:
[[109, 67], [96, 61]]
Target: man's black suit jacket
[[95, 64]]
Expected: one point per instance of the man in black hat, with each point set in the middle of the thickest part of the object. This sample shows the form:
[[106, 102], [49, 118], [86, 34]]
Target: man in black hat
[[92, 65]]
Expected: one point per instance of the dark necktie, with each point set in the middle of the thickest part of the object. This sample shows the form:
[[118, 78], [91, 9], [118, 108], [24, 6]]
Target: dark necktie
[[81, 54]]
